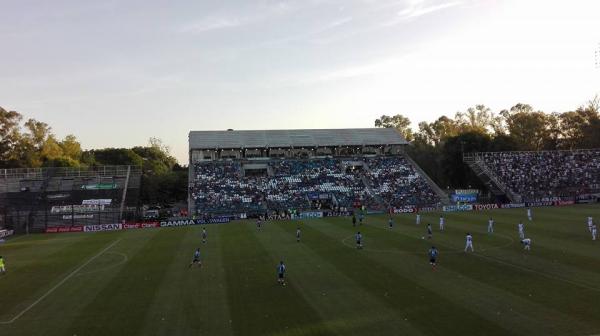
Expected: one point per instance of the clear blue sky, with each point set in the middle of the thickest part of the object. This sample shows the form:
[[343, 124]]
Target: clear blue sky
[[115, 73]]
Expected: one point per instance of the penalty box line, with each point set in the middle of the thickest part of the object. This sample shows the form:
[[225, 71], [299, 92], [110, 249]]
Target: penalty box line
[[59, 284]]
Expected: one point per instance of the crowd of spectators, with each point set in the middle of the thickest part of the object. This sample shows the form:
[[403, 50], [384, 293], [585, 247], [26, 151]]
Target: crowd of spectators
[[546, 175], [397, 182], [221, 187]]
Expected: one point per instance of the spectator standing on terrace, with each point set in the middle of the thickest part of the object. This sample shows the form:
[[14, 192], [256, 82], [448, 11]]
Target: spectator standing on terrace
[[490, 228], [2, 267], [442, 222], [521, 228]]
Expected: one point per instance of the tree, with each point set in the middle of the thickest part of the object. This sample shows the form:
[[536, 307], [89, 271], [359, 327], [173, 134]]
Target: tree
[[399, 122], [10, 136], [530, 130], [476, 119]]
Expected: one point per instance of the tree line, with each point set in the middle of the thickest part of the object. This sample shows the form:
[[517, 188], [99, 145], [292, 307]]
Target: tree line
[[32, 144], [438, 146]]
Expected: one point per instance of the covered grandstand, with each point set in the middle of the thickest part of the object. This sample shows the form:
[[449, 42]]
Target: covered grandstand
[[255, 172], [45, 199]]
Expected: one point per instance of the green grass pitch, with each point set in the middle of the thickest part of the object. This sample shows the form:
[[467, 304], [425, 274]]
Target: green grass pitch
[[137, 282]]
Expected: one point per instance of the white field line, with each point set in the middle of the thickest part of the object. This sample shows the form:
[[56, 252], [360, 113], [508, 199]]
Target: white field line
[[59, 284]]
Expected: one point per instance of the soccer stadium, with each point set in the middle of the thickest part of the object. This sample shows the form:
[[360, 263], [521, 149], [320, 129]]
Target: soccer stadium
[[300, 168], [349, 215]]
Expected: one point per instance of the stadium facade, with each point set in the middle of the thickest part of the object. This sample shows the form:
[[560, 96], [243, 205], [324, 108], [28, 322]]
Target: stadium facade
[[256, 171], [47, 199]]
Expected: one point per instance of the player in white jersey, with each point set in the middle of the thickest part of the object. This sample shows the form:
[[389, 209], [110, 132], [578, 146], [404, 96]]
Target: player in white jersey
[[298, 234], [529, 216], [594, 232], [204, 235], [590, 221], [526, 243], [442, 222], [469, 243], [358, 237], [391, 222], [418, 219], [521, 227], [490, 225]]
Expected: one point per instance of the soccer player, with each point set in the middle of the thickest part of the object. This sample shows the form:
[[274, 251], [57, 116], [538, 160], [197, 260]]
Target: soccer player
[[469, 243], [204, 235], [418, 219], [281, 273], [258, 223], [529, 216], [298, 233], [594, 232], [390, 222], [526, 243], [361, 216], [442, 222], [196, 260], [490, 225], [521, 227], [429, 231], [353, 219], [590, 221], [359, 240], [2, 267], [433, 253]]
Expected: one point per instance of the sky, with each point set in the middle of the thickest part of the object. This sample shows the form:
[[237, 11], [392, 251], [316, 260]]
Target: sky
[[115, 73]]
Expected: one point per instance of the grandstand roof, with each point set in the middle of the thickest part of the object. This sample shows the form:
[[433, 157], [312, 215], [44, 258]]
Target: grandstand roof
[[295, 138]]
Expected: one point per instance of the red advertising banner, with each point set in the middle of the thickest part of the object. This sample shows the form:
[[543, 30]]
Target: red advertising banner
[[129, 226], [63, 229], [490, 206]]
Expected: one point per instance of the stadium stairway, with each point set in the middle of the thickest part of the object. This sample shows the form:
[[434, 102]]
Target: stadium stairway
[[369, 187], [441, 194], [489, 178]]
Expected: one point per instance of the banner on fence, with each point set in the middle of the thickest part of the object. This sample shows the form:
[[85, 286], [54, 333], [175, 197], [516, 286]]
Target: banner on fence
[[490, 206], [453, 208], [102, 227], [64, 228]]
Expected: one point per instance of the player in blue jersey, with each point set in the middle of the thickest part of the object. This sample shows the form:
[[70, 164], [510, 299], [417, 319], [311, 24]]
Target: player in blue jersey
[[433, 254], [196, 261], [281, 273]]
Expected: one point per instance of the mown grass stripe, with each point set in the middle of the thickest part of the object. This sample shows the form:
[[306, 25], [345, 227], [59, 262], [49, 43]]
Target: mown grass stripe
[[324, 287], [258, 305], [121, 307], [424, 309]]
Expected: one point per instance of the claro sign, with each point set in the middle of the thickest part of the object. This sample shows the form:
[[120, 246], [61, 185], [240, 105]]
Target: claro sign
[[102, 227]]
